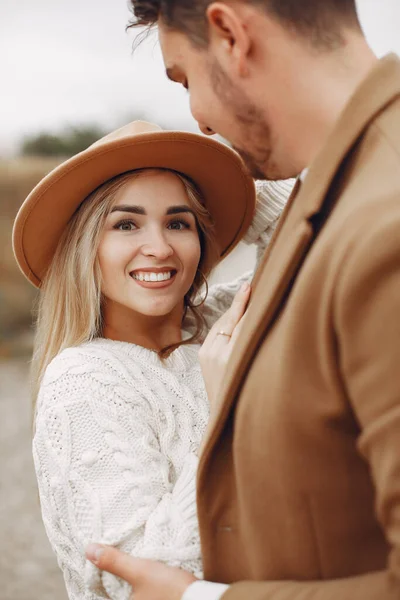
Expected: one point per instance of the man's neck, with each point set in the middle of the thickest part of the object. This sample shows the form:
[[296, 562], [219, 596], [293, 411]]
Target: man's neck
[[311, 89], [332, 82]]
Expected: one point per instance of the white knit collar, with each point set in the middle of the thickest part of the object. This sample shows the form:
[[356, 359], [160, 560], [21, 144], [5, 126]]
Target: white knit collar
[[181, 359]]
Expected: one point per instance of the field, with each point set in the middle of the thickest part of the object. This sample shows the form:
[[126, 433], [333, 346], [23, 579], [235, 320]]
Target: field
[[17, 178]]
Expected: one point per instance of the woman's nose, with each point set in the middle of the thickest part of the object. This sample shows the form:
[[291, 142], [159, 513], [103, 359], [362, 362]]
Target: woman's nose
[[157, 246]]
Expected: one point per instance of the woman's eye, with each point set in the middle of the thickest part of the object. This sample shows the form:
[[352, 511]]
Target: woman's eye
[[125, 226], [178, 225]]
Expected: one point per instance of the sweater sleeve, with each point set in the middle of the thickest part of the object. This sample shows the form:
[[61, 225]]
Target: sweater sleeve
[[103, 478], [271, 200]]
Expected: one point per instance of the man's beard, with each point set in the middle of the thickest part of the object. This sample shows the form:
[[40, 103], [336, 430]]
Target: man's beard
[[256, 155], [252, 165]]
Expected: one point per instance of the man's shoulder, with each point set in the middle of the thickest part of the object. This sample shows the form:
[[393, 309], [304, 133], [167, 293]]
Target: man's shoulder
[[380, 146], [368, 181], [367, 216], [365, 247]]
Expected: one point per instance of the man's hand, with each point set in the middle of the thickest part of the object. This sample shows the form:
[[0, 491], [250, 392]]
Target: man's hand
[[150, 580]]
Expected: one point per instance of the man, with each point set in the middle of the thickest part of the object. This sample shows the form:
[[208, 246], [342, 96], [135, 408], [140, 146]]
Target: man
[[299, 480]]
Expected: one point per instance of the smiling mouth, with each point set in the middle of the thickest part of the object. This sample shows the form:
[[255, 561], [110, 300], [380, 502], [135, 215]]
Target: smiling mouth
[[154, 279], [152, 276]]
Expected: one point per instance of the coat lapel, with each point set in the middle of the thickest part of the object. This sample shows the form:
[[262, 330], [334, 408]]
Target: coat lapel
[[295, 236]]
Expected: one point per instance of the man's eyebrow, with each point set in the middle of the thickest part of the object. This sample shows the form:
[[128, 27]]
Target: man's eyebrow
[[136, 210], [176, 210]]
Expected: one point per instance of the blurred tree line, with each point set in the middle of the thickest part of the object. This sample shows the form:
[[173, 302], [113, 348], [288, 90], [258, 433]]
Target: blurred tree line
[[65, 144]]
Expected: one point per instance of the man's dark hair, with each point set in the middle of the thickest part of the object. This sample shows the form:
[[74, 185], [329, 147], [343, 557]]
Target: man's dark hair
[[320, 21]]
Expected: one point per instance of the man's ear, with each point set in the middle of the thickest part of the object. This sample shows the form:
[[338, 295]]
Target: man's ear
[[229, 37]]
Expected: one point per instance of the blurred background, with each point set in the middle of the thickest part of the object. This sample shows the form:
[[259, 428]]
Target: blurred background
[[68, 76]]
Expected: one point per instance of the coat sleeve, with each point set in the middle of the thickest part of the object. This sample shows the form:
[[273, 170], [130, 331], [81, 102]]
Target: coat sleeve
[[271, 200], [103, 478], [367, 321]]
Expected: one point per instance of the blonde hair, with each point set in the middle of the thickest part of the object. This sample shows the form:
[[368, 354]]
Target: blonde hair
[[69, 310]]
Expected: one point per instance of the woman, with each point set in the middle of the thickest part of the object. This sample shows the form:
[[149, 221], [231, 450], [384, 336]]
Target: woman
[[120, 239]]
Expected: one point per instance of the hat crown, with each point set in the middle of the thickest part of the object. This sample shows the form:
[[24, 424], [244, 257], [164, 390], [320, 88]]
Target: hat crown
[[132, 129]]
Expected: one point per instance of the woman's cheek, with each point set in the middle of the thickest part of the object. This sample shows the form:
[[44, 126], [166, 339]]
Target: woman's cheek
[[111, 260], [190, 257], [195, 252]]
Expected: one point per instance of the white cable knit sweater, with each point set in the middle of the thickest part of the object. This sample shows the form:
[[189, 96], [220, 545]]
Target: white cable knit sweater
[[116, 441]]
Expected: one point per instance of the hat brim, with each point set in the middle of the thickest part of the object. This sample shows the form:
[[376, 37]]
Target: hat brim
[[218, 171]]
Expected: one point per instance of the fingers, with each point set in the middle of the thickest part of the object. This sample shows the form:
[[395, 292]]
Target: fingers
[[224, 330], [232, 317], [150, 579], [116, 562], [240, 301], [236, 331]]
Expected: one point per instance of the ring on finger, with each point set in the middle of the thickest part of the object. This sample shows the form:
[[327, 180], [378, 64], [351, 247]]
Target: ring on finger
[[224, 333]]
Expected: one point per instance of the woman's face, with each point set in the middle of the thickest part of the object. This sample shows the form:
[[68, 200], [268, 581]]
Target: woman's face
[[150, 249]]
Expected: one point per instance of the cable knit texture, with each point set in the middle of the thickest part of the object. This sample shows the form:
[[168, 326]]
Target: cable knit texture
[[116, 441]]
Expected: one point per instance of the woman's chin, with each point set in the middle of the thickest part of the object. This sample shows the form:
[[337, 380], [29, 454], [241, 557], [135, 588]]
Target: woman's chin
[[157, 308]]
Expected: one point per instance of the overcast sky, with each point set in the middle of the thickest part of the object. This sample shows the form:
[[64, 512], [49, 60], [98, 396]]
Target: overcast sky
[[70, 62]]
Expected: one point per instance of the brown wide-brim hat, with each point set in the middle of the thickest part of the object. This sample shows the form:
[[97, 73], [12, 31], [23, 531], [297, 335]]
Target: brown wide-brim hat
[[218, 171]]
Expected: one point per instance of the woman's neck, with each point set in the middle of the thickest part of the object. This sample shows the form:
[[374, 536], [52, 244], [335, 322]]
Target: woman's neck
[[152, 332]]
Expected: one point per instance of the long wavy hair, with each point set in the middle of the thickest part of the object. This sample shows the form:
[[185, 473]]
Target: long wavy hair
[[69, 310]]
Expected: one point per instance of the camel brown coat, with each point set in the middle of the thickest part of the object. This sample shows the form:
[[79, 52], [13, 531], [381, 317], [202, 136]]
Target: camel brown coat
[[299, 480]]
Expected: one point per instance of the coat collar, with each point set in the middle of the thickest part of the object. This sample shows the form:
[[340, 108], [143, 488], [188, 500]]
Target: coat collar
[[287, 251]]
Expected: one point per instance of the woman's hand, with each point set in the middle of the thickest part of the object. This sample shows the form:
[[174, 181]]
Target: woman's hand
[[150, 580], [217, 347]]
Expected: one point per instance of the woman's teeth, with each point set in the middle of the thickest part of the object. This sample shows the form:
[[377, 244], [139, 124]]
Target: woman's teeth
[[145, 276]]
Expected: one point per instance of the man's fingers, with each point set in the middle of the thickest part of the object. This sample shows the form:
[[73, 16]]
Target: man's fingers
[[116, 562]]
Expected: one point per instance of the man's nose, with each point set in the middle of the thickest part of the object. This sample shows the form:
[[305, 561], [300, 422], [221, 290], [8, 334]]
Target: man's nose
[[206, 130]]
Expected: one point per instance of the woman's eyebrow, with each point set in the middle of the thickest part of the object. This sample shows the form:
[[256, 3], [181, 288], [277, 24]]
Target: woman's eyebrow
[[136, 210], [140, 210], [176, 210]]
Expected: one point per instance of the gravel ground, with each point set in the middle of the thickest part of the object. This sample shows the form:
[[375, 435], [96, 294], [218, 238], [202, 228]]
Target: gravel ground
[[28, 568]]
